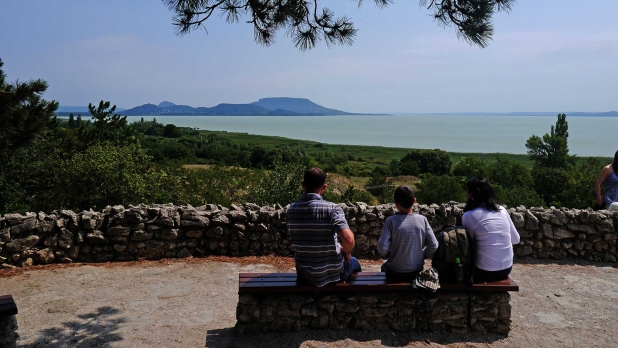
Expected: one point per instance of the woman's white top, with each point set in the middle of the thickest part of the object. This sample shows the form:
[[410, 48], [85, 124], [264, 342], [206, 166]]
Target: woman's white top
[[494, 234]]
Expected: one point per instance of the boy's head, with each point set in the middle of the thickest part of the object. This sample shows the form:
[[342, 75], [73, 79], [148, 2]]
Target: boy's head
[[314, 180], [404, 198]]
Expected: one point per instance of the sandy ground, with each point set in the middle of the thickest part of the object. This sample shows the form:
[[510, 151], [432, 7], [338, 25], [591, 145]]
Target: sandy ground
[[191, 303]]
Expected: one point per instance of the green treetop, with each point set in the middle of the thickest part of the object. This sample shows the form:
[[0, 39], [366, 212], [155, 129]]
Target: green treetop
[[23, 112], [552, 150]]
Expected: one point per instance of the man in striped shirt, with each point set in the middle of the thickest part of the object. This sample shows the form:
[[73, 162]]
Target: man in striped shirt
[[314, 225]]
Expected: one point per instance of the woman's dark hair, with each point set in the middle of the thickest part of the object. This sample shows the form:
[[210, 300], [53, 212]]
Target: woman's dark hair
[[482, 195], [615, 163]]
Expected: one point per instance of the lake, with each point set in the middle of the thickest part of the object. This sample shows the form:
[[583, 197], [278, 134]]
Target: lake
[[588, 136]]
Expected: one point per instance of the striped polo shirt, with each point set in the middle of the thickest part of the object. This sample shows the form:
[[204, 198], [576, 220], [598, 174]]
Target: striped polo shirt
[[313, 224]]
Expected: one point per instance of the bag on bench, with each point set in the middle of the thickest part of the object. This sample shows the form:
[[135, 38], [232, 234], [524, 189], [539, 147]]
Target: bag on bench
[[427, 280], [454, 244]]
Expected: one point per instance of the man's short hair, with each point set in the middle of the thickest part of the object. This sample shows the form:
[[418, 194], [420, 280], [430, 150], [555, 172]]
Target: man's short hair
[[404, 195], [314, 179]]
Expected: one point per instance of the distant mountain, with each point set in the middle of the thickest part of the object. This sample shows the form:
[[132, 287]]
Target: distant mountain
[[165, 104], [263, 107], [298, 105]]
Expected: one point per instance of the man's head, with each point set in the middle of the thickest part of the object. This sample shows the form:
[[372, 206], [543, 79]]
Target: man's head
[[404, 198], [314, 181]]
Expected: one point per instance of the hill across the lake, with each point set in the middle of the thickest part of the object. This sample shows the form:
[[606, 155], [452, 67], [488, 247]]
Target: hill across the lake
[[263, 107]]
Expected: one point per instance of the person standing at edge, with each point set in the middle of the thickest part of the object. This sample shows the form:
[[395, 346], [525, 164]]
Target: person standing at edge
[[609, 177], [314, 225]]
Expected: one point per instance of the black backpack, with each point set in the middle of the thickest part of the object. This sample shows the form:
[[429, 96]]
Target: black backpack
[[454, 242]]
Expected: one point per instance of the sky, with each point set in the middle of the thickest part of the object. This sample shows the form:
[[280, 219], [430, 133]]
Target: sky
[[550, 55]]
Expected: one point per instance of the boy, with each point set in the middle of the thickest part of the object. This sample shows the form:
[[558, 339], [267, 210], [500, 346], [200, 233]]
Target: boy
[[407, 239]]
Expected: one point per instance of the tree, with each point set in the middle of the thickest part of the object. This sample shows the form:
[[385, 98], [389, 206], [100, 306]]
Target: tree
[[415, 162], [71, 121], [171, 131], [23, 112], [470, 167], [282, 185], [441, 189], [308, 24], [552, 150], [78, 121], [107, 126]]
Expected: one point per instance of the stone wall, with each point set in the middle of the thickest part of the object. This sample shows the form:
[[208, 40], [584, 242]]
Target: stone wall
[[401, 311], [165, 231], [8, 332]]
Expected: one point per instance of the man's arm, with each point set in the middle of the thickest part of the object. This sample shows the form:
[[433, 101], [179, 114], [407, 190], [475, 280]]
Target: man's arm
[[347, 242], [431, 243], [344, 232], [384, 243]]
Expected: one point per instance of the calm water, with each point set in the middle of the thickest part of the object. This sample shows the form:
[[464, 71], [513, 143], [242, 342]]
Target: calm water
[[588, 136]]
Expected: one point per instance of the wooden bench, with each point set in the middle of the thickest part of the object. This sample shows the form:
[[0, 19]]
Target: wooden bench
[[8, 322], [370, 301], [7, 306]]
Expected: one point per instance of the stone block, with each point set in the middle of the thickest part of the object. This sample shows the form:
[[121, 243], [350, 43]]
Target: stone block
[[532, 222], [22, 244]]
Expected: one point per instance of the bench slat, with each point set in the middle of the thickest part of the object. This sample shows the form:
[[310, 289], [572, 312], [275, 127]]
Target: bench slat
[[294, 279], [284, 275], [8, 309], [4, 297], [5, 301], [364, 281]]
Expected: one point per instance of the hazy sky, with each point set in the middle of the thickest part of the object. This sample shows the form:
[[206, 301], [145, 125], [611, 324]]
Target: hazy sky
[[550, 55]]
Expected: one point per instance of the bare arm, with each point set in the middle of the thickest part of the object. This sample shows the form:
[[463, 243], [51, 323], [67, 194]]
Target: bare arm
[[347, 242], [604, 174], [384, 242], [514, 234], [431, 243]]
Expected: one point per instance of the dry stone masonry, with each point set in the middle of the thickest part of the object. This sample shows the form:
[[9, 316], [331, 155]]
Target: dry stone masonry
[[166, 231], [400, 311]]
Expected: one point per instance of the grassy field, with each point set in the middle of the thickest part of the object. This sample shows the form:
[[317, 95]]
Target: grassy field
[[372, 154]]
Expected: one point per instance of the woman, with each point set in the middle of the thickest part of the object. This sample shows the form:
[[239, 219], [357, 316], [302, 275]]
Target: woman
[[609, 177], [491, 228]]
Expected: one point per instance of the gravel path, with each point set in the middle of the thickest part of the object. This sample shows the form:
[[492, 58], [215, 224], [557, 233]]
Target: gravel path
[[191, 303]]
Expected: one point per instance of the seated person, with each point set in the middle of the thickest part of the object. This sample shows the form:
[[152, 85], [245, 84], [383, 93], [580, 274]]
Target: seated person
[[406, 240], [492, 230], [314, 225]]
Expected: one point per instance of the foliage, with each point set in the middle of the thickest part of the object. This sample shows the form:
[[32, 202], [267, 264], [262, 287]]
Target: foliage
[[309, 24], [552, 150], [103, 175], [24, 113], [171, 131], [107, 126], [282, 185], [380, 186], [436, 162], [440, 189], [470, 167]]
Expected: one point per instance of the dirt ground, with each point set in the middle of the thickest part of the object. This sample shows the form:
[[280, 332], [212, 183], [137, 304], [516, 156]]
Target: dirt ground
[[191, 303]]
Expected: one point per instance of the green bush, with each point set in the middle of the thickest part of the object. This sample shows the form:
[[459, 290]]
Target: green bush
[[436, 162], [441, 189], [282, 185], [103, 175]]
